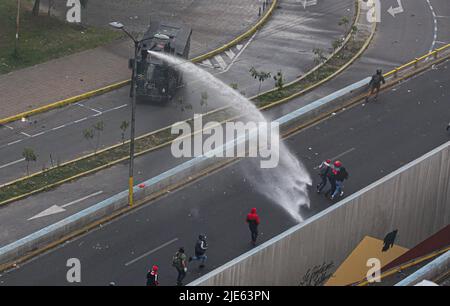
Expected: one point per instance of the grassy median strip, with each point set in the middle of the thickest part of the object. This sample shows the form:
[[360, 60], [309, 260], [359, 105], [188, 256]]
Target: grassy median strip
[[42, 38], [108, 157]]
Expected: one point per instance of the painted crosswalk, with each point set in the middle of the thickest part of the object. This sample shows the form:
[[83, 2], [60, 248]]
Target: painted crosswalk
[[225, 60]]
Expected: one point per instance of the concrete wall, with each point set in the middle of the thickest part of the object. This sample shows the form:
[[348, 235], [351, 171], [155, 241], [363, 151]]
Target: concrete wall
[[414, 199]]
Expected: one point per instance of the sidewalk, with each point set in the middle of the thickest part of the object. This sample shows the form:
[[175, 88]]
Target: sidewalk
[[213, 25]]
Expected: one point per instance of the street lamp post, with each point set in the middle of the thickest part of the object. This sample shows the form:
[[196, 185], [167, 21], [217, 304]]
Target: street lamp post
[[120, 26]]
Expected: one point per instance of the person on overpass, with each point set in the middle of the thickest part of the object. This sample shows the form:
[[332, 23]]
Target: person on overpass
[[179, 262], [253, 223], [200, 249], [152, 277], [324, 169], [375, 84]]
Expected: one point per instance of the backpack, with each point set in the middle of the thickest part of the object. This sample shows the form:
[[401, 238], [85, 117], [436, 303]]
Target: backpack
[[176, 260], [344, 173]]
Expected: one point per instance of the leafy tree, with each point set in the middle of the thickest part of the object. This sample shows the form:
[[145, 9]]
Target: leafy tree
[[98, 127], [124, 126], [36, 7], [319, 58], [261, 76], [344, 22], [279, 80], [29, 156]]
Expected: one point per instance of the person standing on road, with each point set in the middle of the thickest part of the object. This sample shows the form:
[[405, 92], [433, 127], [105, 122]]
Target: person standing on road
[[253, 223], [152, 277], [200, 249], [179, 262], [324, 169], [448, 127], [340, 174], [375, 84]]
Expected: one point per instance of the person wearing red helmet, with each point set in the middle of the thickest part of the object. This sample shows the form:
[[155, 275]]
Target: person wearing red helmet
[[324, 170], [152, 277], [253, 223], [340, 174]]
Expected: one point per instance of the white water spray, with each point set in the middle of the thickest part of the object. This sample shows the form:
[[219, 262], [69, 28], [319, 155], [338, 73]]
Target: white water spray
[[286, 184]]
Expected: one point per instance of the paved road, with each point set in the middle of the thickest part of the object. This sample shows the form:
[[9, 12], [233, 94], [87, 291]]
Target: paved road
[[371, 140], [286, 43]]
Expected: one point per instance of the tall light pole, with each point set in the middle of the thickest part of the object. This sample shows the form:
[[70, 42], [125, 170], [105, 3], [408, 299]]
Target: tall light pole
[[16, 42], [118, 25]]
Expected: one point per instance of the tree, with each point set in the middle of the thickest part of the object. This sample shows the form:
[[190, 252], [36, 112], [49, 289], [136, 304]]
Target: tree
[[279, 80], [88, 134], [319, 59], [29, 156], [204, 100], [344, 22], [261, 76], [98, 127], [124, 126], [336, 44], [36, 7]]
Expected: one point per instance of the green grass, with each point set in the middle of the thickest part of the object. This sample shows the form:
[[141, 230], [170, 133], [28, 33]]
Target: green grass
[[43, 38]]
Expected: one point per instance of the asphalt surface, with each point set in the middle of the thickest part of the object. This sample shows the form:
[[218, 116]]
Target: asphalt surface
[[372, 140], [285, 43]]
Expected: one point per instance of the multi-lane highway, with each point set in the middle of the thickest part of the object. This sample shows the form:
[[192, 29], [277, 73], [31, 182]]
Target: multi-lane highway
[[285, 44], [371, 139]]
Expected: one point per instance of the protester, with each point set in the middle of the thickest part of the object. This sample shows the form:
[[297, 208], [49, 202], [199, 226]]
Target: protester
[[179, 262], [375, 84], [340, 174], [152, 277], [324, 169], [253, 223], [200, 249]]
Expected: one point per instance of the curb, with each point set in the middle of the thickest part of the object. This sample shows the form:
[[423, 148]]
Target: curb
[[114, 86]]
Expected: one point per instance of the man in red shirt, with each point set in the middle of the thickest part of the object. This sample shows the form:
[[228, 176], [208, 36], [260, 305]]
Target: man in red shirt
[[253, 222]]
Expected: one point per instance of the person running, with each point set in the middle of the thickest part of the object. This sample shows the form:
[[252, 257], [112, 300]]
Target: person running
[[324, 169], [200, 249], [179, 262], [340, 174], [375, 84], [152, 277], [253, 223]]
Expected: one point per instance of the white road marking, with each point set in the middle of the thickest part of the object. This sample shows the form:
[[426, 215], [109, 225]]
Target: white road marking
[[12, 163], [90, 108], [80, 120], [435, 26], [38, 134], [119, 107], [242, 49], [25, 134], [207, 63], [59, 127], [239, 47], [230, 54], [9, 127], [221, 62], [58, 209], [152, 251], [14, 142]]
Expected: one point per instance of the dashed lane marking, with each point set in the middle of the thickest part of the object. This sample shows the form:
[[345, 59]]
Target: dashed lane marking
[[12, 163], [221, 62], [150, 252]]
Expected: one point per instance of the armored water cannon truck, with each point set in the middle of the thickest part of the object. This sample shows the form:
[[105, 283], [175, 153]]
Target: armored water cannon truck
[[155, 79]]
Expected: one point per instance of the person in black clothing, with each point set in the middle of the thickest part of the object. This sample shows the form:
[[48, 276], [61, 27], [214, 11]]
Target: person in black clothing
[[325, 168], [448, 127], [375, 84], [152, 277], [200, 249]]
